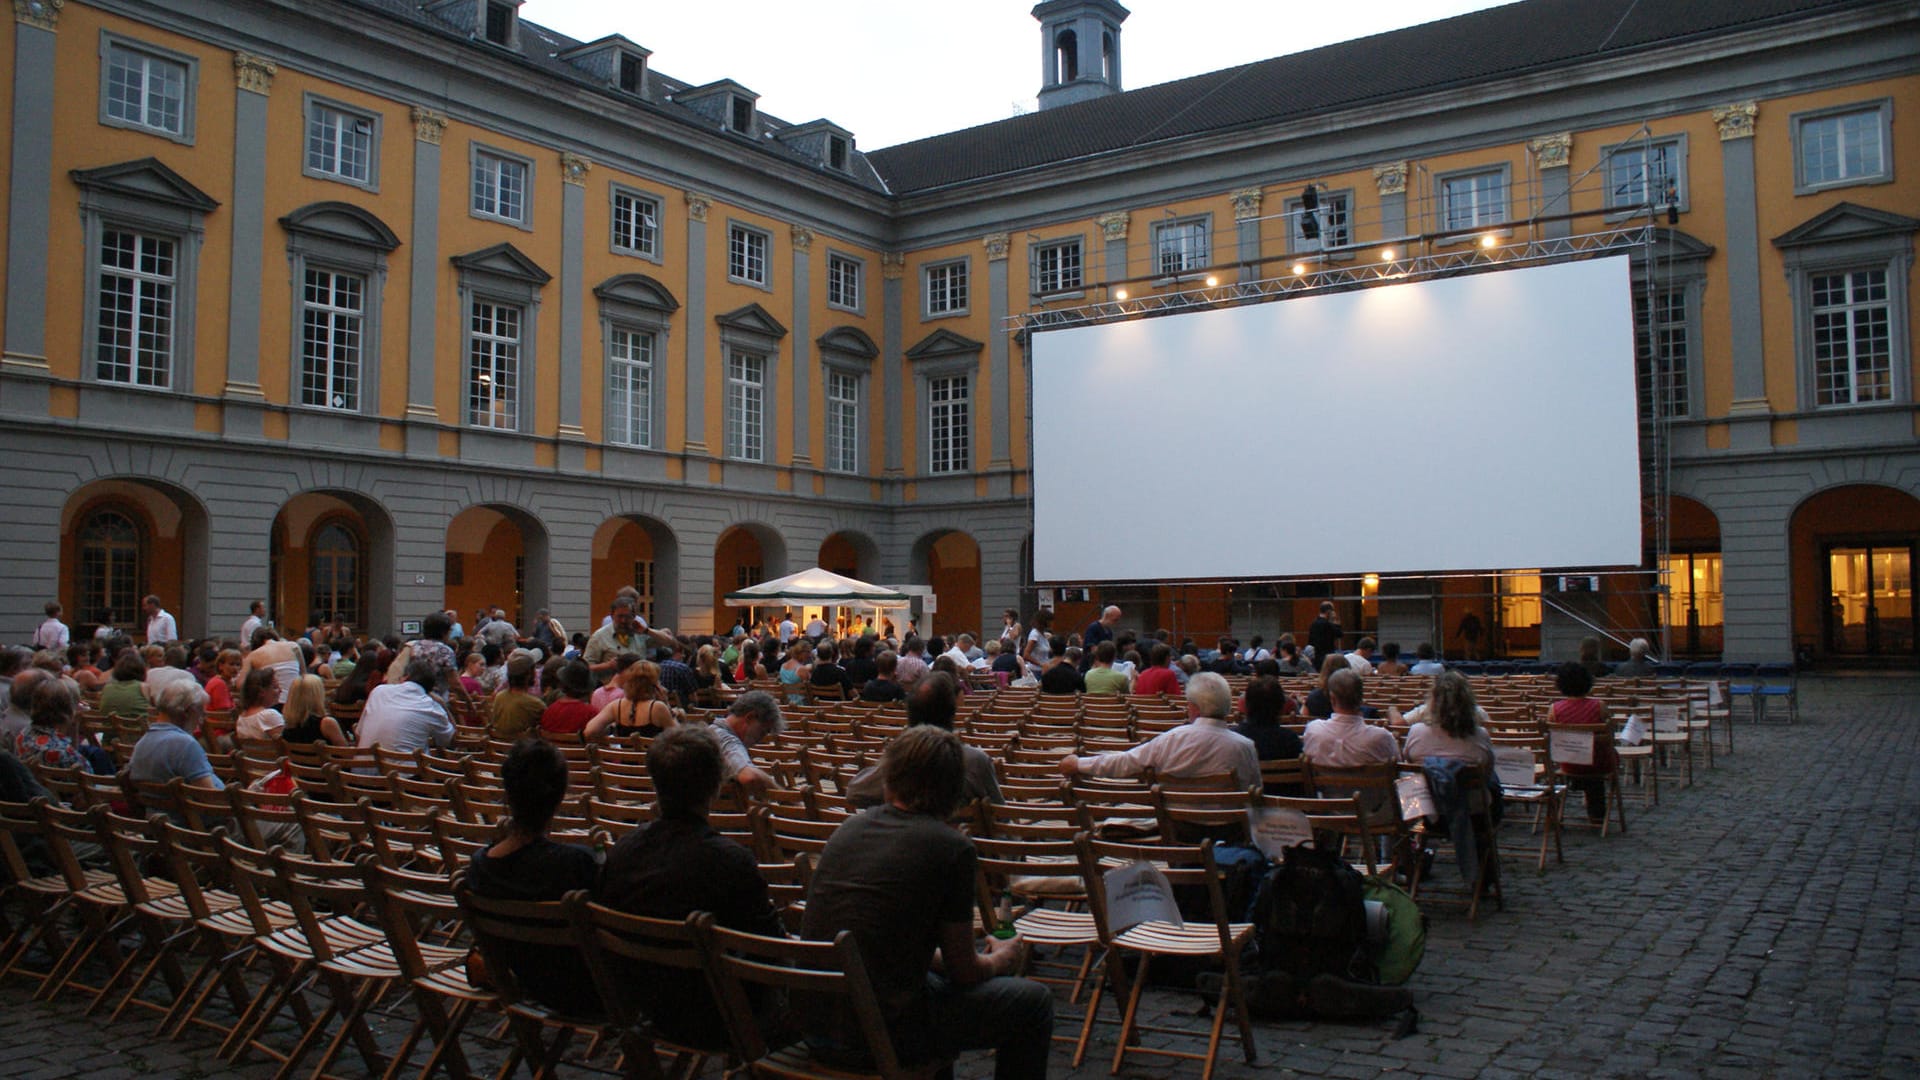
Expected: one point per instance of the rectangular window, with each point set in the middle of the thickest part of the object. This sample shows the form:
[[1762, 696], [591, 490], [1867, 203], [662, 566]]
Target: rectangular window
[[1473, 200], [949, 423], [630, 391], [946, 288], [843, 282], [1334, 222], [836, 153], [843, 421], [746, 576], [332, 319], [499, 22], [643, 584], [340, 144], [1056, 267], [493, 366], [499, 187], [742, 115], [134, 342], [1642, 174], [636, 223], [1180, 246], [746, 404], [747, 255], [633, 72], [1851, 322], [145, 90], [1660, 346], [1844, 147]]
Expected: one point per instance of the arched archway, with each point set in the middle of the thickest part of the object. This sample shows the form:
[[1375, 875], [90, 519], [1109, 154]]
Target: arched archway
[[122, 538], [1852, 550], [746, 554], [1693, 610], [332, 551], [949, 561], [496, 555], [636, 550], [850, 553]]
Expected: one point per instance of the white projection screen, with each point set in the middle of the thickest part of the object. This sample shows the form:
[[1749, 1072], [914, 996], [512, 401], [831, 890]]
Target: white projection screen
[[1481, 422]]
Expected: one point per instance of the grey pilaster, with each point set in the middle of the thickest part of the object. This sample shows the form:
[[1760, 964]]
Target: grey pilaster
[[1113, 227], [573, 241], [29, 188], [800, 344], [1554, 156], [1000, 436], [1751, 427], [1390, 182], [253, 79], [1246, 230], [893, 271], [697, 329], [423, 302]]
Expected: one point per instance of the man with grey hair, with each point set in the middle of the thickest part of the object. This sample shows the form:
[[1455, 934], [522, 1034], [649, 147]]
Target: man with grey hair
[[1636, 666], [169, 749], [753, 716], [20, 704], [1206, 745]]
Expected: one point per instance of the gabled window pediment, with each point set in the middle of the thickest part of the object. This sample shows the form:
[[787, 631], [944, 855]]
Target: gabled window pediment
[[146, 179], [752, 319], [503, 260], [944, 344], [1846, 221]]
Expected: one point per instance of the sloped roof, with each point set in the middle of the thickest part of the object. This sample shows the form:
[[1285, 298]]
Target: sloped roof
[[1479, 47]]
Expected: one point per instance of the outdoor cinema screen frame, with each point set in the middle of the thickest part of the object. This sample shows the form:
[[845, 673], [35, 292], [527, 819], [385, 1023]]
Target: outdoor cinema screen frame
[[1481, 422]]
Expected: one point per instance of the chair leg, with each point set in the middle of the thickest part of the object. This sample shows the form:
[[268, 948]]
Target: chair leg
[[1129, 1018]]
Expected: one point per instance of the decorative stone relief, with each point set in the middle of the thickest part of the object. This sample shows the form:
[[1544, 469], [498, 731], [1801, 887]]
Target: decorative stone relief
[[253, 73], [802, 238], [893, 265], [1391, 178], [1246, 204], [698, 205], [574, 169], [428, 126], [1553, 151], [1735, 121], [996, 244], [44, 14], [1113, 226]]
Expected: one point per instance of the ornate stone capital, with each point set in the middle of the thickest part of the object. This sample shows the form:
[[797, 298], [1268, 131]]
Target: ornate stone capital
[[802, 238], [1391, 178], [893, 265], [428, 126], [698, 205], [44, 14], [1246, 203], [1553, 151], [574, 169], [254, 73], [996, 245], [1735, 121], [1113, 226]]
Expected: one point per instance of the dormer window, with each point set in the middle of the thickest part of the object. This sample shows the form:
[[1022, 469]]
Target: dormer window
[[836, 153], [741, 117], [633, 73], [500, 18]]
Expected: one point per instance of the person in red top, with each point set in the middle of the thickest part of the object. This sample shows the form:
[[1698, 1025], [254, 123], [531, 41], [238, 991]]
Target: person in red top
[[1575, 707], [570, 711], [220, 687], [1158, 678]]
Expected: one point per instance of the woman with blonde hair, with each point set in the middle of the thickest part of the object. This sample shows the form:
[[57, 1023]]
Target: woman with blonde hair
[[641, 712], [1450, 725], [306, 714]]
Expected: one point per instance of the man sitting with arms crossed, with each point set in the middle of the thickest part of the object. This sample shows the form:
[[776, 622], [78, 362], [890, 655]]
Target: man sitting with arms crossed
[[1204, 746], [902, 880]]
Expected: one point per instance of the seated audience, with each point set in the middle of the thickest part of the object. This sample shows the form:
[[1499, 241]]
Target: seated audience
[[678, 864], [616, 684], [258, 717], [170, 749], [881, 687], [1204, 746], [753, 716], [82, 666], [1344, 738], [1062, 673], [1425, 661], [1389, 663], [1360, 660], [226, 669], [1102, 677], [306, 716], [933, 701], [1450, 724], [826, 672], [1636, 665], [1590, 658], [1319, 703], [639, 712], [796, 670], [366, 675], [569, 713], [19, 714], [173, 668], [515, 711], [126, 693], [902, 880], [1158, 676], [861, 666], [1291, 662], [405, 716], [1264, 704], [52, 738], [1575, 681]]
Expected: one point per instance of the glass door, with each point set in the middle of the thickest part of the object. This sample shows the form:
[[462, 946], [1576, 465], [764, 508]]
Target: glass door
[[1870, 600]]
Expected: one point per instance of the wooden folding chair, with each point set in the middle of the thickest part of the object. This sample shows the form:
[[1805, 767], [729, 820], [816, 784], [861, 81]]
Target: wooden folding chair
[[40, 882], [1003, 867], [498, 927], [1486, 878], [626, 951], [444, 998]]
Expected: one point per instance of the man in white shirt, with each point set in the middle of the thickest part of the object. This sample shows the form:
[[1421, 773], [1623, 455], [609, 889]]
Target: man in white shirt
[[1345, 739], [404, 716], [786, 630], [962, 652], [160, 625], [816, 628], [172, 669], [1360, 660], [1206, 745], [52, 633], [256, 618]]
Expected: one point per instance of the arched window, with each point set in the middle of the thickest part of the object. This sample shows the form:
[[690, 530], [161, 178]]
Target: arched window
[[337, 557], [1066, 56], [109, 588]]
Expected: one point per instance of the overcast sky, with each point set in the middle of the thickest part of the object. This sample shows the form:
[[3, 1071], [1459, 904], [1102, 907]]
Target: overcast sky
[[891, 71]]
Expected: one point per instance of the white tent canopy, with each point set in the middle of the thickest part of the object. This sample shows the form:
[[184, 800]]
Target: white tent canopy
[[817, 587]]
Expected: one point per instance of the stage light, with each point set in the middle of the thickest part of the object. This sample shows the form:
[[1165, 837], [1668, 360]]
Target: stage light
[[1212, 281], [1299, 269], [1386, 254], [1119, 294], [1371, 581], [1488, 241]]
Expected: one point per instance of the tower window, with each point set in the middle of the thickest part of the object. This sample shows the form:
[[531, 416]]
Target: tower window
[[837, 153], [743, 115], [633, 71], [1066, 56], [499, 23]]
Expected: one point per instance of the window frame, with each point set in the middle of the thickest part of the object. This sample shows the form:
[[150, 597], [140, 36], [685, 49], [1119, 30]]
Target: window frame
[[1503, 174], [734, 437], [1891, 251], [320, 237], [928, 413], [1035, 252], [475, 152], [189, 90], [654, 411], [1798, 122], [1300, 245], [140, 302], [310, 106], [615, 192], [964, 265], [1683, 198], [850, 438], [859, 269], [1193, 264], [367, 287], [633, 303], [521, 404], [119, 198], [751, 232]]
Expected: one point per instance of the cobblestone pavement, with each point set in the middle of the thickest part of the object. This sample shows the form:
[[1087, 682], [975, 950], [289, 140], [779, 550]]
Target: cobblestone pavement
[[1754, 924]]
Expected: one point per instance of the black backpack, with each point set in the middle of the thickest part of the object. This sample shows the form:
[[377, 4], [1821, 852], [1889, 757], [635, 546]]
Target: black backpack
[[1310, 918]]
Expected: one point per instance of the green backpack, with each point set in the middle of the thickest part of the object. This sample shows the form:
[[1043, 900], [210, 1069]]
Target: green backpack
[[1396, 958]]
